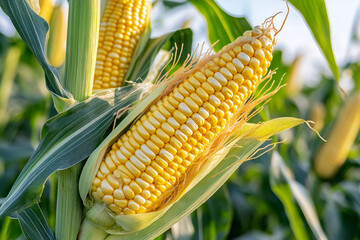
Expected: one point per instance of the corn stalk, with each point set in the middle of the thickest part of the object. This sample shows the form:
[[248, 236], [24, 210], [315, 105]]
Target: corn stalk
[[79, 71]]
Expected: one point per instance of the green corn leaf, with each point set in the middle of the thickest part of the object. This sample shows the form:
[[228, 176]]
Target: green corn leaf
[[33, 224], [287, 189], [334, 225], [351, 191], [10, 229], [231, 27], [146, 52], [221, 211], [173, 4], [34, 4], [33, 29], [67, 139], [216, 216], [15, 151], [315, 15]]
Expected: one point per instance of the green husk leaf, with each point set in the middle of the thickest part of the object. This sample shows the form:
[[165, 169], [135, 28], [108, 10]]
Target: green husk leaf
[[231, 27], [148, 49], [81, 127], [10, 229], [210, 178], [315, 15], [33, 29]]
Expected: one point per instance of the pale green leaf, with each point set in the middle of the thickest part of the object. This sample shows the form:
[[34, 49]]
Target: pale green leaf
[[149, 48]]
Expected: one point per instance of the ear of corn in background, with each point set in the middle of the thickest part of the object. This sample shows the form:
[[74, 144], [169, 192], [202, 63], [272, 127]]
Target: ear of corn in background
[[151, 157], [333, 153], [122, 24], [294, 81], [56, 48], [317, 115], [46, 9]]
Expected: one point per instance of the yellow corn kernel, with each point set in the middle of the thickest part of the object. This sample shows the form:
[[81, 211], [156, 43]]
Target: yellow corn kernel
[[333, 153], [121, 26], [178, 128]]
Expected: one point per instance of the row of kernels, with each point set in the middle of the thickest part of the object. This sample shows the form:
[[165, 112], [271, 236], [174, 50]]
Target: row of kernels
[[116, 37]]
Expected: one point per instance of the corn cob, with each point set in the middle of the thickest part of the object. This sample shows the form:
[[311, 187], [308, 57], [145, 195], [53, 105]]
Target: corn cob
[[46, 9], [334, 152], [56, 48], [294, 81], [121, 26], [317, 115], [150, 158]]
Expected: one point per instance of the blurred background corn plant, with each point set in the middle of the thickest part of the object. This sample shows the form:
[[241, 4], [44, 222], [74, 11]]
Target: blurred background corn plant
[[304, 188]]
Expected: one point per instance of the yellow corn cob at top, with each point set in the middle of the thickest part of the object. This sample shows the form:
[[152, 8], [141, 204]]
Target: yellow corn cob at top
[[150, 158], [121, 26], [56, 48], [334, 152], [46, 9]]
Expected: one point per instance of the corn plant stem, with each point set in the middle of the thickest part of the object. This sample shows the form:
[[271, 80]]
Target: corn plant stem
[[68, 205], [7, 81], [82, 38], [52, 200]]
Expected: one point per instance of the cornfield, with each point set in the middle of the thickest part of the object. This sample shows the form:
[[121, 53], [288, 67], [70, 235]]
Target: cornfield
[[166, 119]]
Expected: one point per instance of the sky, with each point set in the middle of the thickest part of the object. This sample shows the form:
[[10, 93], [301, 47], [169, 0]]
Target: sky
[[294, 39]]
